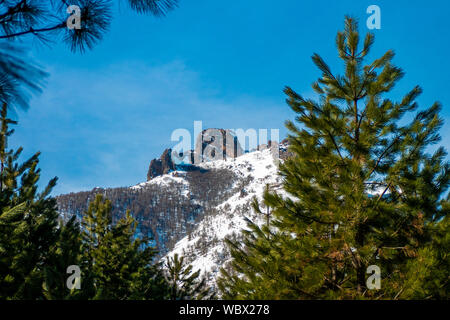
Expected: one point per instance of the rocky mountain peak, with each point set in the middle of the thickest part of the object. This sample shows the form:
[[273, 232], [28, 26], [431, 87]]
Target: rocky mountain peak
[[209, 144], [161, 166]]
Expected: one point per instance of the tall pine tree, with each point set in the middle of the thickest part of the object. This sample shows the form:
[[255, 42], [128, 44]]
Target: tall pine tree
[[362, 189], [117, 264], [28, 222]]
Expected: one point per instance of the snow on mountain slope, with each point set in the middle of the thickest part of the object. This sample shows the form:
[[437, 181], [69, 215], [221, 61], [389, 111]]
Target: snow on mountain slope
[[204, 247], [193, 209], [167, 180]]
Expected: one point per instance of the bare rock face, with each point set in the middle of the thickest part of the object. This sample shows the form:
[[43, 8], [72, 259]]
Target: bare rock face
[[216, 144], [161, 166], [211, 144]]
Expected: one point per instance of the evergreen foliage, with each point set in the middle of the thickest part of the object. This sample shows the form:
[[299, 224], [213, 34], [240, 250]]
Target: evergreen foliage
[[45, 20], [183, 283], [363, 189], [119, 265], [28, 222]]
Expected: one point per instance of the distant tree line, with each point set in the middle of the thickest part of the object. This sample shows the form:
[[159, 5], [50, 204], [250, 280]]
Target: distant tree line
[[164, 212]]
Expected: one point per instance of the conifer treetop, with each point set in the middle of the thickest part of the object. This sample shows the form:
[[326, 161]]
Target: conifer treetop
[[364, 189]]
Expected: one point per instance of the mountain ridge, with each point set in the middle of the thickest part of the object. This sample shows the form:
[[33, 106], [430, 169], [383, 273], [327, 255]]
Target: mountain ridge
[[191, 209]]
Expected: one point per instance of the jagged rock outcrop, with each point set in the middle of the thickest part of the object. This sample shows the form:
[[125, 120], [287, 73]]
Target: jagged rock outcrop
[[216, 144], [211, 144], [161, 166], [201, 203]]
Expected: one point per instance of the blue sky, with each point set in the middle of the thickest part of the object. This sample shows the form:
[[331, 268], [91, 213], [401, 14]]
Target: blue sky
[[105, 114]]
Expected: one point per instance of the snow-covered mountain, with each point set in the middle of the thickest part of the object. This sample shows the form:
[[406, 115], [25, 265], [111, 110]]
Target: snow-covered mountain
[[204, 246], [191, 209]]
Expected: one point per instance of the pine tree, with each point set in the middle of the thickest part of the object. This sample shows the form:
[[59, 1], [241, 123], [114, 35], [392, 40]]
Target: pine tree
[[362, 189], [65, 252], [28, 222], [37, 246], [184, 284], [117, 264]]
